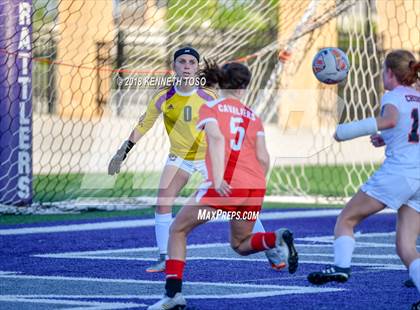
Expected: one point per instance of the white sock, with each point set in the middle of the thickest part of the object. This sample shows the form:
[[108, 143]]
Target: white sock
[[343, 251], [258, 226], [414, 271], [162, 224]]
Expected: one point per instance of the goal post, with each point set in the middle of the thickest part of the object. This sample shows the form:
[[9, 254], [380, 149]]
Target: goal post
[[16, 103]]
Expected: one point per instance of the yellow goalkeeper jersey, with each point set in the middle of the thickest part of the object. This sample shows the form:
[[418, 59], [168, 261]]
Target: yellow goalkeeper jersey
[[180, 115]]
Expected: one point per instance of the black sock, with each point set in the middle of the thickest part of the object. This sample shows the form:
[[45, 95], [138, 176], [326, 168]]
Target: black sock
[[173, 286]]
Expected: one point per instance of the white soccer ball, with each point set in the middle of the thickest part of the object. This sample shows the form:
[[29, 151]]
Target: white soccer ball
[[330, 65]]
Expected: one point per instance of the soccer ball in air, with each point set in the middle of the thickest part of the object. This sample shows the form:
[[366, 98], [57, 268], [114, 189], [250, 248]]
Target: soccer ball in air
[[330, 65]]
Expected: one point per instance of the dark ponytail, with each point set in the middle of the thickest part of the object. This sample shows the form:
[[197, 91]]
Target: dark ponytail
[[211, 72], [232, 75], [404, 66], [414, 74]]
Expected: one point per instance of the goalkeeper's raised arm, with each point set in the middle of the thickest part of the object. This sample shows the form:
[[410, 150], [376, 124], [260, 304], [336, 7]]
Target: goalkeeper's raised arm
[[145, 123]]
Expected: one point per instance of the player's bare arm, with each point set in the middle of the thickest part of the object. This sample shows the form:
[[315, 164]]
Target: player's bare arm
[[145, 123], [216, 145], [114, 166], [368, 126], [262, 154], [389, 118]]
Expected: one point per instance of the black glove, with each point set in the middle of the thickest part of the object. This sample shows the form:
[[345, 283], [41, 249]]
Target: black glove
[[116, 161]]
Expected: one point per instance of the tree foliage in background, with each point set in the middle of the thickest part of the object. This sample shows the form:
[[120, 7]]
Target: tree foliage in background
[[220, 15]]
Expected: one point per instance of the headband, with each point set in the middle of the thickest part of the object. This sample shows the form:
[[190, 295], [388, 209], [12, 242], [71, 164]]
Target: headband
[[187, 51]]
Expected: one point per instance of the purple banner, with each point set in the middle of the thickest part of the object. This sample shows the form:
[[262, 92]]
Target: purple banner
[[15, 102]]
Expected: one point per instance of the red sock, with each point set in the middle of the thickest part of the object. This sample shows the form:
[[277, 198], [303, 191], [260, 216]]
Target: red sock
[[263, 241], [174, 269]]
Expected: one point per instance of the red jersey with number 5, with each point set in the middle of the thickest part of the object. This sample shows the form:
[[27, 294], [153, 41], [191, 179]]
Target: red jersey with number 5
[[240, 127]]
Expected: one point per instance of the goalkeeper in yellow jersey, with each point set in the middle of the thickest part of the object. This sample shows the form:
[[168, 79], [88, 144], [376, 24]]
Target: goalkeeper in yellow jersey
[[180, 106]]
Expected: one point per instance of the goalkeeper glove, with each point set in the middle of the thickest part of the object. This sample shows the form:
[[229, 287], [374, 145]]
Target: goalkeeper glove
[[116, 161]]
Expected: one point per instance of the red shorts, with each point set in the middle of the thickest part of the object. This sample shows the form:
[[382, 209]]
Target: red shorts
[[239, 200]]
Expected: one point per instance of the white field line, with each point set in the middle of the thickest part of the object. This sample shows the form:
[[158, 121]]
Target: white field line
[[265, 289], [151, 222], [91, 305]]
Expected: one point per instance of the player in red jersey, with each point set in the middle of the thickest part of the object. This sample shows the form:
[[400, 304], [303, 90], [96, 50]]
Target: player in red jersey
[[237, 161]]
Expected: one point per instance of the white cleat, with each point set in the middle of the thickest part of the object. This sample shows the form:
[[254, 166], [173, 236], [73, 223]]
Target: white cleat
[[277, 260], [178, 302], [159, 266], [286, 248]]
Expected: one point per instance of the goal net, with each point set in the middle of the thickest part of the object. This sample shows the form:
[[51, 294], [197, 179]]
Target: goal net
[[81, 62]]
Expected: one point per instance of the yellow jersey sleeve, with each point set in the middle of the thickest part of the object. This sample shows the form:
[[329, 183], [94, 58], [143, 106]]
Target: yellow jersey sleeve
[[180, 119], [152, 113]]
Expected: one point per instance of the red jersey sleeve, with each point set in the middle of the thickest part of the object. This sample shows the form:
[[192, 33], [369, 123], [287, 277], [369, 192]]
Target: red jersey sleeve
[[205, 115]]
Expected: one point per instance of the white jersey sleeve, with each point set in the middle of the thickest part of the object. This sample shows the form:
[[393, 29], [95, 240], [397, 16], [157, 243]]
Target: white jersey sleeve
[[390, 97], [402, 142]]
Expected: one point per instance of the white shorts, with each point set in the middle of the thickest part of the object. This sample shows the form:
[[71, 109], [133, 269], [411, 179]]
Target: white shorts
[[393, 190], [189, 166]]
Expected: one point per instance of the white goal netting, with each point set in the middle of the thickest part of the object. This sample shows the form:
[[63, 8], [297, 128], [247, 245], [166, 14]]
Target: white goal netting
[[87, 56]]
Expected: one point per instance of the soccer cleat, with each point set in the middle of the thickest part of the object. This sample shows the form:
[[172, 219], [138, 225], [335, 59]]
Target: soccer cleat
[[178, 302], [159, 266], [329, 274], [286, 248], [276, 260], [409, 283], [416, 306]]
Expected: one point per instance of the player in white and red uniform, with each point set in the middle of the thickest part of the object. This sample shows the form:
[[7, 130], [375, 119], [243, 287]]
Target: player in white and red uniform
[[396, 184], [236, 160]]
